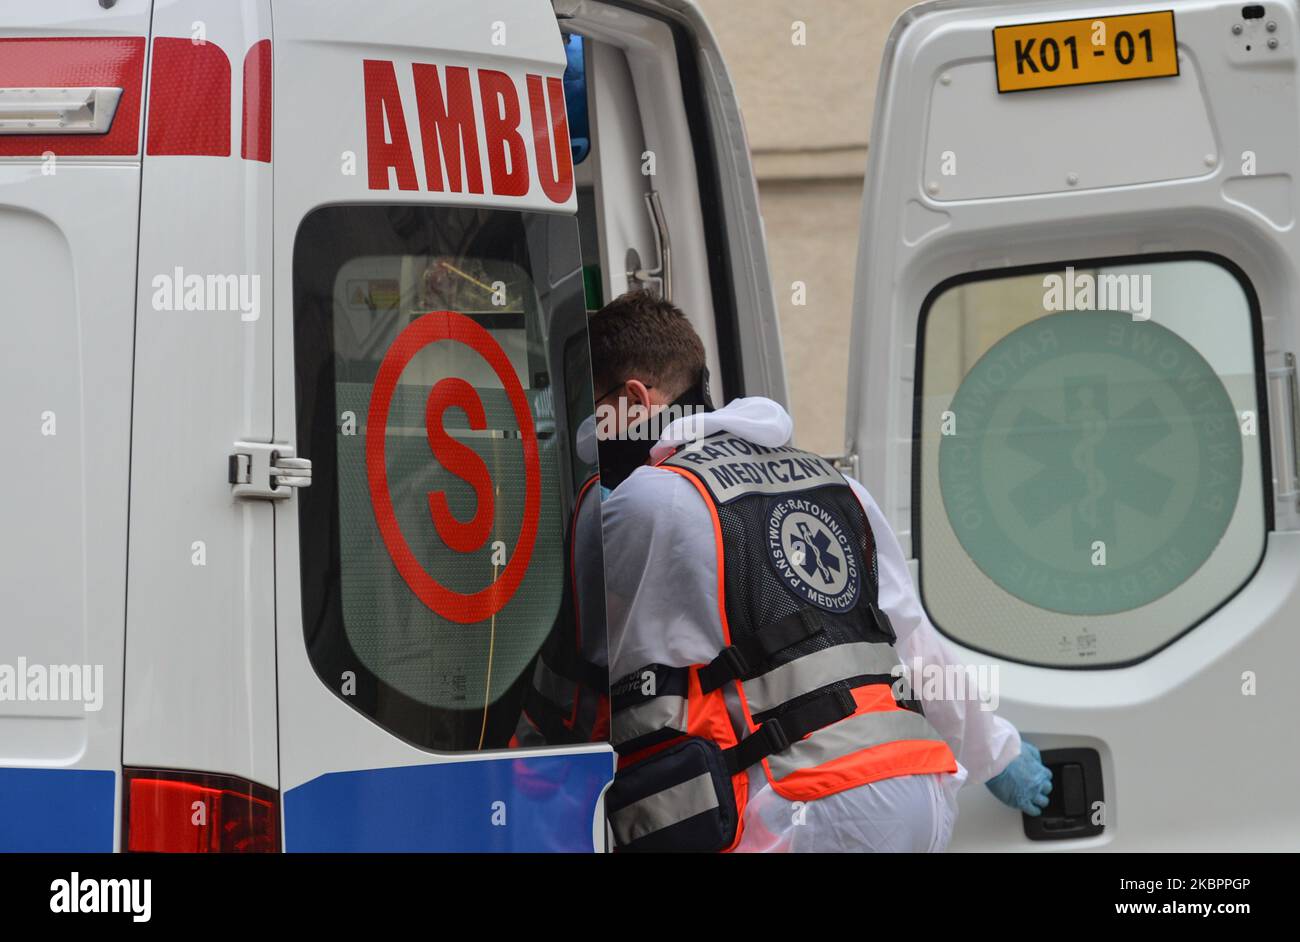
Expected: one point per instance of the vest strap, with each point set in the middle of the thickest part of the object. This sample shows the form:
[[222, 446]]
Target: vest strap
[[749, 656], [777, 734], [584, 673], [649, 706]]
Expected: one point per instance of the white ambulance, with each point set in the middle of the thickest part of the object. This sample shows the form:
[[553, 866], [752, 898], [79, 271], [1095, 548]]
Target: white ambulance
[[295, 361]]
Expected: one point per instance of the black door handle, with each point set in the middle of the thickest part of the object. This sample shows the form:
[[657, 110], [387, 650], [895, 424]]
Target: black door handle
[[1076, 807]]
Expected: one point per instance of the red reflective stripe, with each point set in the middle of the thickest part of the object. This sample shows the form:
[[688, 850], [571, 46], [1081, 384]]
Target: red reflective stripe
[[73, 62], [189, 99], [255, 139]]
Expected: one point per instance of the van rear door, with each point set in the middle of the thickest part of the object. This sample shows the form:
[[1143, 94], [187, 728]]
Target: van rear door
[[1074, 318], [199, 708], [71, 87], [431, 362]]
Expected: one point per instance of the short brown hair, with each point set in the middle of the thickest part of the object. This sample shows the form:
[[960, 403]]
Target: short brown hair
[[640, 336]]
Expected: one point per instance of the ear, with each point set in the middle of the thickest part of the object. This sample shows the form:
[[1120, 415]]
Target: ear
[[638, 393]]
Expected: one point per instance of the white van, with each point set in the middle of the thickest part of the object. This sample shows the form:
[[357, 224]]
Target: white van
[[296, 359]]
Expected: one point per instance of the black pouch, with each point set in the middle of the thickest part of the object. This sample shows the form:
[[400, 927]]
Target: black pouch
[[678, 800]]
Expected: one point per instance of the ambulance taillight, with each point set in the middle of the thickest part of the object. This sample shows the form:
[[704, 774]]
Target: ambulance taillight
[[198, 813]]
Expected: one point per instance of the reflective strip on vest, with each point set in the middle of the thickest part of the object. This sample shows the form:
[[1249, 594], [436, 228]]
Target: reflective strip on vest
[[812, 671], [851, 735], [664, 809], [662, 712]]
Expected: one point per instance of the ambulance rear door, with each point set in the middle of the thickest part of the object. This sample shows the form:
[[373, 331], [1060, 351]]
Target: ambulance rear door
[[432, 364], [1074, 397], [72, 78]]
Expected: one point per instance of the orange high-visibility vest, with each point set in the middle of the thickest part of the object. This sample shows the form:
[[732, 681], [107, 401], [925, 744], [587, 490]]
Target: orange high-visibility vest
[[809, 662]]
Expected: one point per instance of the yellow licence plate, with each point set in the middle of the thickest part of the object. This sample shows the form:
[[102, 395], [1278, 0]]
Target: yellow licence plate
[[1085, 52]]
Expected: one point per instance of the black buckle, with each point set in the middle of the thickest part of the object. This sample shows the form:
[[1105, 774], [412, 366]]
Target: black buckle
[[774, 734], [883, 624], [735, 661]]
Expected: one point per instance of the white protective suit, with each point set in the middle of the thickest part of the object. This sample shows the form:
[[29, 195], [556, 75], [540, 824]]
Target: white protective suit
[[661, 595]]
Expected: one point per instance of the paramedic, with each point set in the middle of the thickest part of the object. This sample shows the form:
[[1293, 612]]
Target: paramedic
[[665, 541]]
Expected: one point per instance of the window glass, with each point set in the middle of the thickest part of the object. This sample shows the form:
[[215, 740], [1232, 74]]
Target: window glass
[[442, 373], [1089, 457]]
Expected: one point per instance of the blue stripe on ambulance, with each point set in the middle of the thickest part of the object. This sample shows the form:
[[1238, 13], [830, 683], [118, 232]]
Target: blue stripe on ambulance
[[56, 810], [513, 803]]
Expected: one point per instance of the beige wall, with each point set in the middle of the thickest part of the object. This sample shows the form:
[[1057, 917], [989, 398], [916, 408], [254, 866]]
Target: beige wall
[[812, 236], [807, 112]]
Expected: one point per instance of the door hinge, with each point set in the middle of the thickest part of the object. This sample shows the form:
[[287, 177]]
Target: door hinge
[[1284, 396], [266, 471]]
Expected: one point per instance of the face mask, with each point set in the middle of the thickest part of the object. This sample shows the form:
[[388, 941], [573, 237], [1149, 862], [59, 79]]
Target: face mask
[[619, 457]]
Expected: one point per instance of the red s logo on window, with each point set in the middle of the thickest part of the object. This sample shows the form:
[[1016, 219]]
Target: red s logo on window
[[461, 536], [462, 461]]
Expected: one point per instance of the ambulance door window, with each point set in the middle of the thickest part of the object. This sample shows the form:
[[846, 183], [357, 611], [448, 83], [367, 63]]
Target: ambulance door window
[[1089, 456], [442, 373]]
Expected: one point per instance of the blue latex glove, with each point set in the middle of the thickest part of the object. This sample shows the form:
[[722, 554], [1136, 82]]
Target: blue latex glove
[[1025, 783]]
